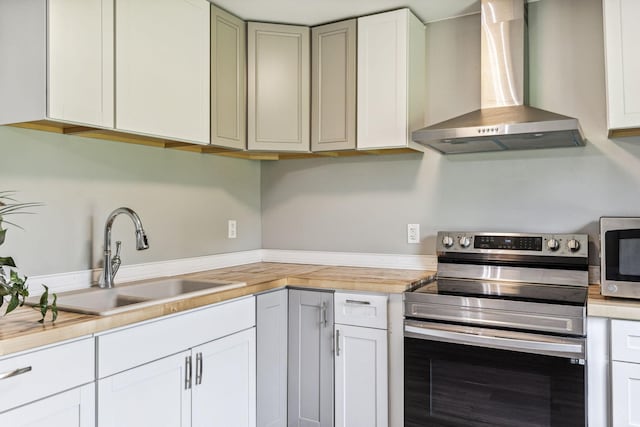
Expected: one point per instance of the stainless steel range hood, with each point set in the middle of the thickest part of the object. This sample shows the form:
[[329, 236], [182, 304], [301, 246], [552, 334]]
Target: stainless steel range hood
[[503, 122]]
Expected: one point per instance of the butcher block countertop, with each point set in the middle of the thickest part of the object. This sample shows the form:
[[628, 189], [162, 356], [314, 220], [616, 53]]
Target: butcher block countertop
[[21, 331], [615, 308]]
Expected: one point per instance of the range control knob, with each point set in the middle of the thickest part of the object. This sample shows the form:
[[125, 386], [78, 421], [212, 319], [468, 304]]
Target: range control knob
[[553, 244], [447, 241], [465, 241], [573, 245]]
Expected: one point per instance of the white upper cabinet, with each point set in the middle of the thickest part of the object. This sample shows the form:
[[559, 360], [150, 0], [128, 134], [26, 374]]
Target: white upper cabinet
[[333, 86], [228, 80], [81, 61], [391, 79], [57, 61], [23, 69], [163, 68], [622, 60], [278, 87]]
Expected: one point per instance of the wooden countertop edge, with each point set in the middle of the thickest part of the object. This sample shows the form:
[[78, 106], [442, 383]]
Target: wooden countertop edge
[[73, 325], [612, 308]]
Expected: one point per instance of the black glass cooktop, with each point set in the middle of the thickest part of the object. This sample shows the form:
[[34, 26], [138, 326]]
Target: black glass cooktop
[[530, 292]]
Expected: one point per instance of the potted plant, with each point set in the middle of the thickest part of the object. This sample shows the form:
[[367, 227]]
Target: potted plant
[[13, 287]]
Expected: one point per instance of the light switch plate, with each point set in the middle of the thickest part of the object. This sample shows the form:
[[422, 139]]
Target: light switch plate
[[413, 233], [232, 229]]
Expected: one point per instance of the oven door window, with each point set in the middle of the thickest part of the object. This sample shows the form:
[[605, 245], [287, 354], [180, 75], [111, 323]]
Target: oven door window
[[622, 255], [451, 385]]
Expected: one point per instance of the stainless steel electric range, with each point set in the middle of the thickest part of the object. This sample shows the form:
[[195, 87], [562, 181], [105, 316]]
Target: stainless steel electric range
[[498, 339]]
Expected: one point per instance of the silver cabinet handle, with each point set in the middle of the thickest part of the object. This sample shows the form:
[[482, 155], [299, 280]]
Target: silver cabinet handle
[[187, 372], [15, 373], [337, 342], [198, 368], [354, 301], [324, 320]]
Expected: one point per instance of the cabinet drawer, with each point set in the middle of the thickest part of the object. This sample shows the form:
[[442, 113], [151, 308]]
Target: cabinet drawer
[[41, 373], [625, 341], [126, 348], [361, 310]]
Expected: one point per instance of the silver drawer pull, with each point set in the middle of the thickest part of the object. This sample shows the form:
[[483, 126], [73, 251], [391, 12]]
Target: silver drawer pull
[[15, 373], [198, 368], [323, 313], [354, 301], [187, 372]]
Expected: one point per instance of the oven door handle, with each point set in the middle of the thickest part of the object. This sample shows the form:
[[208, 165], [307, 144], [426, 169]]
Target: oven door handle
[[572, 350]]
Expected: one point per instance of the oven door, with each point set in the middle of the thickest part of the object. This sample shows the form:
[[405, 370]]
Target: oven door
[[457, 376]]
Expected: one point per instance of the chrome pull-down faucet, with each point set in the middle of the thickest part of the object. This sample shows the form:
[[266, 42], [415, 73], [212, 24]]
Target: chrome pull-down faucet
[[111, 265]]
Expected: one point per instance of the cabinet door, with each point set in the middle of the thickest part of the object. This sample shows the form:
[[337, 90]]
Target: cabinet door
[[224, 390], [621, 34], [23, 68], [625, 390], [333, 96], [228, 80], [361, 377], [163, 68], [156, 394], [73, 408], [278, 87], [271, 343], [391, 79], [310, 359], [81, 63]]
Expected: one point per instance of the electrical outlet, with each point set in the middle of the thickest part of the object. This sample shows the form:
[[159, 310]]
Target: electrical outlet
[[413, 233], [232, 229]]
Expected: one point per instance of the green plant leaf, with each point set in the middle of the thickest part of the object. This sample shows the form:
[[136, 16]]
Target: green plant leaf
[[3, 233], [7, 261], [13, 304], [54, 308], [44, 301]]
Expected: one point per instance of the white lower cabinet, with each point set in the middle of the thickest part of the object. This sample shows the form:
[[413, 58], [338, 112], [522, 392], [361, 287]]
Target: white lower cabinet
[[192, 369], [271, 349], [154, 394], [361, 377], [224, 382], [625, 380], [73, 408], [213, 384], [361, 361], [625, 373]]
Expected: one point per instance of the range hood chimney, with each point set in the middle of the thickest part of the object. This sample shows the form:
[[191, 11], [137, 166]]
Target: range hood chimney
[[503, 122]]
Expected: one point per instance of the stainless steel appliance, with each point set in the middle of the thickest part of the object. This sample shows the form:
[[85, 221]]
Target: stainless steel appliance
[[498, 339], [504, 121], [620, 257]]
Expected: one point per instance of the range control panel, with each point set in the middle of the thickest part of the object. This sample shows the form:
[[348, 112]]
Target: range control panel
[[533, 244]]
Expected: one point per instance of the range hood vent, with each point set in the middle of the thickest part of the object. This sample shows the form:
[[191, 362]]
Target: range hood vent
[[503, 122]]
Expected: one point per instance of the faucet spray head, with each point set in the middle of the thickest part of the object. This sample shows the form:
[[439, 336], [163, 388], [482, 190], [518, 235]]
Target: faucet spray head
[[142, 242]]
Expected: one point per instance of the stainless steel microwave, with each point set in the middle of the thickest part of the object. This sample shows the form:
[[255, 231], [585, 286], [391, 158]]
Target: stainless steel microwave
[[620, 257]]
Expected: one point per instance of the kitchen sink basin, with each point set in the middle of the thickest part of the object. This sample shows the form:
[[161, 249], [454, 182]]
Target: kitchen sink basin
[[123, 298], [172, 288]]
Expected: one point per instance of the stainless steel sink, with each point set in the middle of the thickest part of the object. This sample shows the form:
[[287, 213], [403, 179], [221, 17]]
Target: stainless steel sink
[[123, 298]]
